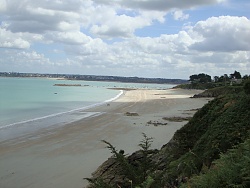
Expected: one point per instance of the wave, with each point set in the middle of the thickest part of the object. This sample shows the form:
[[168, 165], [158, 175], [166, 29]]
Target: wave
[[67, 112]]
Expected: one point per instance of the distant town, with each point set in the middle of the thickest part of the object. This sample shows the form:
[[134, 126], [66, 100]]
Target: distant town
[[96, 78]]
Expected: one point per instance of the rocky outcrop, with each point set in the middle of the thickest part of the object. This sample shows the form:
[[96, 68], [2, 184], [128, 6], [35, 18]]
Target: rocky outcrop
[[112, 171]]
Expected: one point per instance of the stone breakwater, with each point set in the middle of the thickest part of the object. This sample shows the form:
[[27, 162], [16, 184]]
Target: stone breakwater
[[78, 85]]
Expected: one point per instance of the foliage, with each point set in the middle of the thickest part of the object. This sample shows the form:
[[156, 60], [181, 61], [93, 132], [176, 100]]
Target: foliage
[[201, 78], [147, 183], [218, 126], [140, 173], [236, 75], [247, 87], [128, 169], [204, 81], [231, 170], [196, 85], [246, 77], [99, 183], [145, 165]]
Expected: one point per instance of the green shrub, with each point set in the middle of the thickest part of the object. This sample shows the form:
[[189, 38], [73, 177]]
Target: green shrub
[[231, 170], [139, 173], [247, 87], [218, 126]]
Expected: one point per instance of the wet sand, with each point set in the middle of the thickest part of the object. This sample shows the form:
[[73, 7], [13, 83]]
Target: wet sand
[[63, 156]]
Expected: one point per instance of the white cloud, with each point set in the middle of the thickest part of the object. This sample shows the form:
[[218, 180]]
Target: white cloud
[[103, 19], [12, 40], [3, 5], [44, 17], [108, 23], [94, 48], [120, 26], [82, 27], [179, 15], [41, 16], [71, 38], [224, 33], [24, 61], [154, 56]]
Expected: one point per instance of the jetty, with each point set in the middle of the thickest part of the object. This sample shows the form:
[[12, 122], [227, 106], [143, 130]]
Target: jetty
[[76, 85]]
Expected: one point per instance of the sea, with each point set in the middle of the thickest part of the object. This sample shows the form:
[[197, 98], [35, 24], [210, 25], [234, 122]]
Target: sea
[[28, 105]]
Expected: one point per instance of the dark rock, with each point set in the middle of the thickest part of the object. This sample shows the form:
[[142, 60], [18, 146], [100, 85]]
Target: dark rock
[[131, 114]]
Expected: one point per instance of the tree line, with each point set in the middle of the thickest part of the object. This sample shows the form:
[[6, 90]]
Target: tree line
[[205, 78]]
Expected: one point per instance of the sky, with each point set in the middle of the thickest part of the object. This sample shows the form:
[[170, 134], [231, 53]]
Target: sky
[[143, 38]]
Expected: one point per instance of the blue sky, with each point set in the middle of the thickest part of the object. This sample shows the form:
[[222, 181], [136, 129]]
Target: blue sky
[[145, 38]]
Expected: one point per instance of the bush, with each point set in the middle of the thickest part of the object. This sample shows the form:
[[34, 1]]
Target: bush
[[247, 87], [231, 170], [139, 172]]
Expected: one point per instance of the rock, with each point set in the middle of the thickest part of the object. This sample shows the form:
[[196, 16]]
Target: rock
[[131, 114], [176, 119], [155, 123]]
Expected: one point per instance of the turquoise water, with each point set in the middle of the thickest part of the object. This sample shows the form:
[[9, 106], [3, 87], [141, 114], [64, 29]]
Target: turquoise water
[[24, 99], [35, 103]]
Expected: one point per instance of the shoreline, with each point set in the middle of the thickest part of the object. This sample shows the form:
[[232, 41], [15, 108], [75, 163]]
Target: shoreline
[[62, 157], [55, 115]]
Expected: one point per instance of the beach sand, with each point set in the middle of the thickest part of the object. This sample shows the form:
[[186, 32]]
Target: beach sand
[[63, 156]]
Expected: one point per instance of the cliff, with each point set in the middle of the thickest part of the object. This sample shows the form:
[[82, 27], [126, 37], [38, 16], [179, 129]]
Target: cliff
[[219, 126]]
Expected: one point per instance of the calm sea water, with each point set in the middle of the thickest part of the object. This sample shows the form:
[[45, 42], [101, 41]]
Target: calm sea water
[[31, 104]]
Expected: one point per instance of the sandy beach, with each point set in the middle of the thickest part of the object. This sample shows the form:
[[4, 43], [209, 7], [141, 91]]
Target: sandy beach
[[62, 157]]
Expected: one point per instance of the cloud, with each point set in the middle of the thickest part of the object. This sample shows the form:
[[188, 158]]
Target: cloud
[[12, 40], [177, 52], [160, 5], [224, 33], [69, 38], [123, 26], [3, 5], [24, 61], [110, 22], [81, 28], [101, 18], [179, 15], [94, 48], [40, 16], [43, 17]]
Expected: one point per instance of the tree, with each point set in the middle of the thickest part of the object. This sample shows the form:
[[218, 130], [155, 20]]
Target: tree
[[201, 78], [193, 77], [235, 75], [216, 78], [204, 78], [245, 77]]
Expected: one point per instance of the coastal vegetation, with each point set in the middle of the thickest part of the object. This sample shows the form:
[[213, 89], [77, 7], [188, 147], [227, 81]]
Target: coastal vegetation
[[211, 150], [204, 81]]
